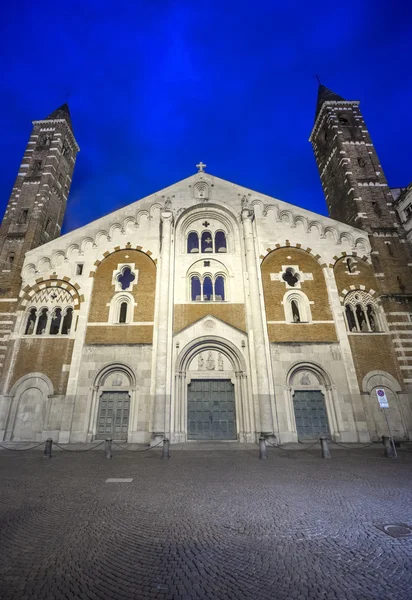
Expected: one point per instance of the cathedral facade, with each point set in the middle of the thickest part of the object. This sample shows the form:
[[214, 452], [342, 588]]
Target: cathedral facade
[[207, 311]]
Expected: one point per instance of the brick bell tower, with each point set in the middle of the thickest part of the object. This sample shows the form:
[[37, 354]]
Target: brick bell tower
[[357, 193], [35, 211], [356, 189]]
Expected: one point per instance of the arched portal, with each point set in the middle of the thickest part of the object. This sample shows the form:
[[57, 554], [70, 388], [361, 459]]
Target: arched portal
[[113, 402], [29, 408], [313, 408], [210, 395], [377, 423]]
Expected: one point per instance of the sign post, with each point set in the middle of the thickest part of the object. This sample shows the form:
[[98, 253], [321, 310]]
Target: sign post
[[384, 404]]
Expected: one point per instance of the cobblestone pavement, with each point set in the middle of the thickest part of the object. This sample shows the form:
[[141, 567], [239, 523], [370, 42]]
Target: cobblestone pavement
[[204, 525]]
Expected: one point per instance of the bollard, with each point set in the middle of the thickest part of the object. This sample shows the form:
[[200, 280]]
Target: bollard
[[165, 449], [48, 448], [389, 451], [263, 451], [324, 448], [108, 448]]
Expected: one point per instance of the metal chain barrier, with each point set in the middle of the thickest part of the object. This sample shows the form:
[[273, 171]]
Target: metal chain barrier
[[137, 449], [21, 449], [351, 448], [291, 449], [79, 450]]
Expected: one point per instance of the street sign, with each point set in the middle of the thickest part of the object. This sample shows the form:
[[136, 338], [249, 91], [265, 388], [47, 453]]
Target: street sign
[[382, 399]]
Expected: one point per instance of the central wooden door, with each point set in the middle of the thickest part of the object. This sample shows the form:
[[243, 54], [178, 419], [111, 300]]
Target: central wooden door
[[211, 410], [113, 419]]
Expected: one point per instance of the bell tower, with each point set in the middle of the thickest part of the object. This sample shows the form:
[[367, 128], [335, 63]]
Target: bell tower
[[35, 211], [356, 189]]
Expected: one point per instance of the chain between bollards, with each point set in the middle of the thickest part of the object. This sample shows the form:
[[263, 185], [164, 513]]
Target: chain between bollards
[[165, 449], [324, 448], [108, 448], [263, 451], [48, 448]]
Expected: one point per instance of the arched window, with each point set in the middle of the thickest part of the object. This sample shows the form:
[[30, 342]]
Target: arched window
[[350, 263], [30, 322], [42, 322], [343, 120], [207, 289], [350, 318], [220, 242], [67, 321], [297, 307], [295, 311], [219, 288], [10, 259], [193, 242], [123, 312], [56, 321], [207, 242], [361, 313], [195, 289]]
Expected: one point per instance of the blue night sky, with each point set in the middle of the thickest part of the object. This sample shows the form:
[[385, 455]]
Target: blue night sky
[[156, 86]]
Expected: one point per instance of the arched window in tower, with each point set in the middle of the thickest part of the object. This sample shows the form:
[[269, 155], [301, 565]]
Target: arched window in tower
[[389, 248], [123, 312], [30, 322], [207, 289], [220, 242], [207, 242], [295, 311], [193, 242], [23, 216], [219, 288], [361, 162], [42, 322], [67, 321], [56, 321], [350, 318], [343, 120], [10, 259], [196, 293]]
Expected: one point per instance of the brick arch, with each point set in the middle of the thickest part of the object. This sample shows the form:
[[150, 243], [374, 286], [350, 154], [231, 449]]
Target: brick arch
[[312, 284], [356, 287], [289, 244], [103, 326], [127, 246], [354, 254], [363, 278], [51, 281]]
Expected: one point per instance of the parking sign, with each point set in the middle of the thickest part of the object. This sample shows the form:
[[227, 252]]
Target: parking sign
[[381, 395]]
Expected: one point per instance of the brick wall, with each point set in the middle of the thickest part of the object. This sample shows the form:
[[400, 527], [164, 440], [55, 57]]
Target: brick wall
[[143, 294], [315, 290], [186, 314]]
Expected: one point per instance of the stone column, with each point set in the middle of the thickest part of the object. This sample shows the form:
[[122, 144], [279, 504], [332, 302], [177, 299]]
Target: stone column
[[258, 355], [161, 407], [359, 417]]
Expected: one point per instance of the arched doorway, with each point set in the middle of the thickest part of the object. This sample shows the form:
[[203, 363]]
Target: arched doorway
[[113, 402], [311, 395], [375, 415], [27, 420], [210, 396]]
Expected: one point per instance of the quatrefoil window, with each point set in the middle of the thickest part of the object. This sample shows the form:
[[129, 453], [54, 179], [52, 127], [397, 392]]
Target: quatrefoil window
[[290, 277], [125, 278]]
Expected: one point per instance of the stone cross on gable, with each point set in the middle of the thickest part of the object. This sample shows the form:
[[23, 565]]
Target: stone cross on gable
[[201, 167]]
